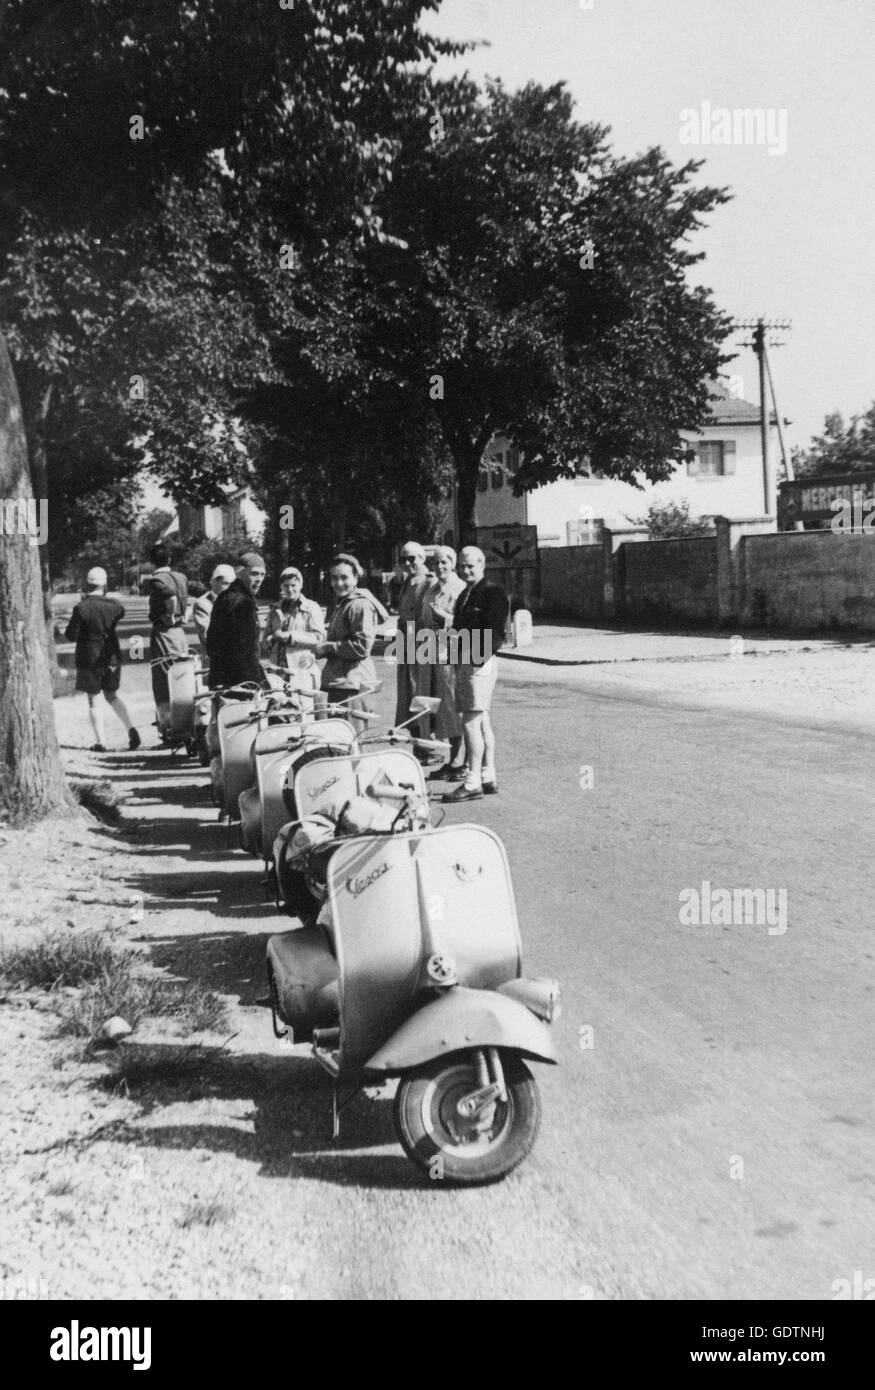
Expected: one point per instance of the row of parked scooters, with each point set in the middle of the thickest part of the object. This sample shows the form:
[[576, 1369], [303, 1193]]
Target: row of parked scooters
[[404, 958]]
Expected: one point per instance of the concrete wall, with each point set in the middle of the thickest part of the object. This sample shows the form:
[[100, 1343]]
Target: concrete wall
[[747, 575], [807, 580], [572, 581], [668, 580]]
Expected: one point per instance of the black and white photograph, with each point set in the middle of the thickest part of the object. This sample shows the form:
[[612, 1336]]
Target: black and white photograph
[[437, 664]]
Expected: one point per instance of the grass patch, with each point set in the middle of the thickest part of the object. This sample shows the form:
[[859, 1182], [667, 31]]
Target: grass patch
[[104, 974], [61, 1187], [57, 959], [204, 1214], [139, 1071], [194, 1008], [99, 796]]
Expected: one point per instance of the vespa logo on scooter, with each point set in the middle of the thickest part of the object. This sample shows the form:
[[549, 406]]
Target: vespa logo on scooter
[[356, 886], [317, 791]]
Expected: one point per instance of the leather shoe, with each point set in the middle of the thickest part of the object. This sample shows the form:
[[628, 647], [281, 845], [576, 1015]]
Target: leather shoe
[[464, 793], [490, 789], [446, 773]]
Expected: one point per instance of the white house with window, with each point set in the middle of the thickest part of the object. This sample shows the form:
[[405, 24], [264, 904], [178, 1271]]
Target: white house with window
[[724, 479], [239, 513]]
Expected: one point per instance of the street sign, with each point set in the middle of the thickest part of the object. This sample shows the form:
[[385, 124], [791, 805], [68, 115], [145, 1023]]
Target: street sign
[[511, 545]]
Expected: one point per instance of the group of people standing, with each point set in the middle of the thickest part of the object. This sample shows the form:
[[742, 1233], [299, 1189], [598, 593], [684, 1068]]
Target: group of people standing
[[458, 599], [454, 598]]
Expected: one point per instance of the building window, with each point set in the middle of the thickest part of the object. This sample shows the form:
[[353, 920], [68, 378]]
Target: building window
[[482, 480], [497, 476], [715, 458]]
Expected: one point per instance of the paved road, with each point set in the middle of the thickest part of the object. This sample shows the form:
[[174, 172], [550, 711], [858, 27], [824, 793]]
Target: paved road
[[709, 1132]]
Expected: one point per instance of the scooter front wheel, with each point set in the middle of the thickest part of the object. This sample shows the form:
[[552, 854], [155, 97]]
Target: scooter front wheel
[[452, 1148]]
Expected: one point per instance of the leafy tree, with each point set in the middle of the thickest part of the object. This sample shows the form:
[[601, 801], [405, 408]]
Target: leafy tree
[[110, 117], [543, 290], [104, 524], [199, 555], [151, 528], [841, 448]]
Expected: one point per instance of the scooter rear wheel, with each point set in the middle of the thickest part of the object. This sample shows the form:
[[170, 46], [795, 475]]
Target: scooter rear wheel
[[448, 1148]]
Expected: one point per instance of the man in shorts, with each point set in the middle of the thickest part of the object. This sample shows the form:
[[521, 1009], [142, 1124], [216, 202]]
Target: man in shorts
[[92, 627], [481, 612]]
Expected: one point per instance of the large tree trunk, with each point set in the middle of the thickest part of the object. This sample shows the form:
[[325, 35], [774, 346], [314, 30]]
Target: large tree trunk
[[32, 781], [466, 453], [36, 398]]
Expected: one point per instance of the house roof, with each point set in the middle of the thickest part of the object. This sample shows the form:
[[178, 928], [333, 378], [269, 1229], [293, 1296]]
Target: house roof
[[727, 409]]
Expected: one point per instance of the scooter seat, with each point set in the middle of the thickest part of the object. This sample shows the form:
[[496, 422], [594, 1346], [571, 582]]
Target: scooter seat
[[304, 980]]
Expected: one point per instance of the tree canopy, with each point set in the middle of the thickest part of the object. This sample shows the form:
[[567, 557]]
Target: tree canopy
[[842, 448]]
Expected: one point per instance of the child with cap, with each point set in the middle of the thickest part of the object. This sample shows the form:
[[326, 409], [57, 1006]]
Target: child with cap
[[92, 627]]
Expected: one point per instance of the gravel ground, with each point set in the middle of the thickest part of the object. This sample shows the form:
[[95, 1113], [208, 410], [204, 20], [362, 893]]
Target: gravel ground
[[202, 1166]]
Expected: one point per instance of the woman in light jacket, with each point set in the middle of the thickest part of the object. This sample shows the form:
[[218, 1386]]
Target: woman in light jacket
[[439, 678], [295, 627], [352, 626]]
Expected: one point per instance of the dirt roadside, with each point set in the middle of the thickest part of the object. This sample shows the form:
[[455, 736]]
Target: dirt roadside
[[128, 1172]]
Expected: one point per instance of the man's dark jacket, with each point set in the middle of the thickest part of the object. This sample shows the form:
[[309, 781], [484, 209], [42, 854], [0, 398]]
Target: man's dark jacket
[[233, 638], [483, 608], [92, 627]]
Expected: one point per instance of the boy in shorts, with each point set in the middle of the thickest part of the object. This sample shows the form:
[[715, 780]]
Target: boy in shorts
[[92, 627]]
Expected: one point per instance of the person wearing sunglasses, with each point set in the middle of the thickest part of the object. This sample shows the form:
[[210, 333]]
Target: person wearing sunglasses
[[414, 582]]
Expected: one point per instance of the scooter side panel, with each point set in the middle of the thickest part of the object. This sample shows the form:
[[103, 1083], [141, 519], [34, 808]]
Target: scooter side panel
[[181, 685], [459, 1020], [271, 769], [372, 892], [237, 764]]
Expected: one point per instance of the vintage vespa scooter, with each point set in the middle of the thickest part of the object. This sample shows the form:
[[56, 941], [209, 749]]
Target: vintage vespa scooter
[[238, 712], [279, 750], [187, 694], [414, 969], [317, 788]]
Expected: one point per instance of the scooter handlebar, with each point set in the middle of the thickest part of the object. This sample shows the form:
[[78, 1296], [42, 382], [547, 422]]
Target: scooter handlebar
[[401, 794]]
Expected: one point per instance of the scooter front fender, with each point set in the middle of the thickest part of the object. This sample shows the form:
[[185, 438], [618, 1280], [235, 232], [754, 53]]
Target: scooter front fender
[[461, 1019]]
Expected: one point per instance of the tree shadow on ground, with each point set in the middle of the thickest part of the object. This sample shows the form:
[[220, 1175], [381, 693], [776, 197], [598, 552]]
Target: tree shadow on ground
[[229, 962], [290, 1116]]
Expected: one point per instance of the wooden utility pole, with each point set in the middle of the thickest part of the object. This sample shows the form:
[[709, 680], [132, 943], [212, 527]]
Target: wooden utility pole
[[760, 329]]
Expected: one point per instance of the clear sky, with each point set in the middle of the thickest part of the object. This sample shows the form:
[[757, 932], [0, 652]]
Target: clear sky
[[798, 240]]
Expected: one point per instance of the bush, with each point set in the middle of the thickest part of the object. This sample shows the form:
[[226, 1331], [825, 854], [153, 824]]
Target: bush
[[672, 521]]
